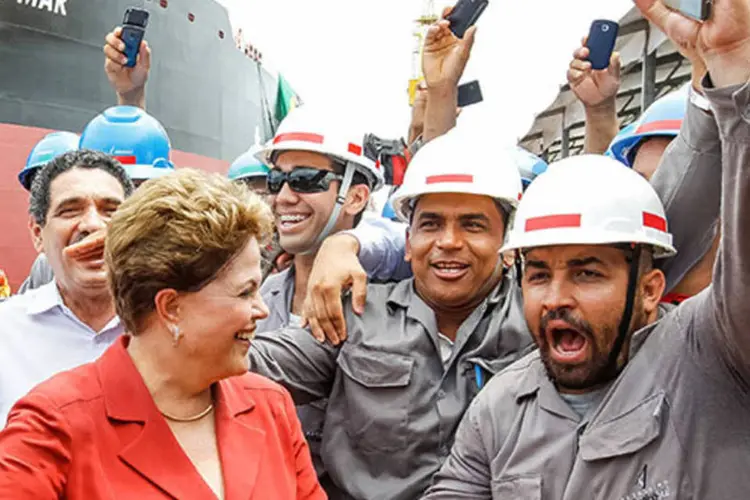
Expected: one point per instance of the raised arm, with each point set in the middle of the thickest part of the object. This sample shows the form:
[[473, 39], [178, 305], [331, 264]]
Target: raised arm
[[294, 359], [35, 451], [444, 59], [128, 83], [688, 182], [723, 42], [597, 92]]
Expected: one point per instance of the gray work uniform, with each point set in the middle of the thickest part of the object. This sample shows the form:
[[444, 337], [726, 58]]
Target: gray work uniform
[[41, 273], [674, 424], [688, 181], [393, 404]]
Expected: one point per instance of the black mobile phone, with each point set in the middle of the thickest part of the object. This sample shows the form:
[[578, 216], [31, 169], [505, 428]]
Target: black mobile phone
[[133, 30], [601, 42], [469, 93], [697, 9], [465, 14]]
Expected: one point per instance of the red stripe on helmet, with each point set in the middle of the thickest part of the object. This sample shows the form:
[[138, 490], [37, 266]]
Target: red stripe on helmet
[[553, 222], [654, 221], [659, 125], [440, 179], [355, 149], [125, 160], [298, 136]]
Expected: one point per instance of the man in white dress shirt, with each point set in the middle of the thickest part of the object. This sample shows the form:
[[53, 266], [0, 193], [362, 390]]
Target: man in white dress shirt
[[72, 320]]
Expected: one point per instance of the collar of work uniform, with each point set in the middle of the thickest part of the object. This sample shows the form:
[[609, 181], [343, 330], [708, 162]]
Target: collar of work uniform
[[282, 281]]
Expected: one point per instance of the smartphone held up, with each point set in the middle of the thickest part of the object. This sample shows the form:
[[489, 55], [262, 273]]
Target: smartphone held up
[[465, 15], [601, 42], [133, 30]]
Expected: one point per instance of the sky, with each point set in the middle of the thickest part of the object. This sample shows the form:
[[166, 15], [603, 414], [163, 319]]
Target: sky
[[356, 56]]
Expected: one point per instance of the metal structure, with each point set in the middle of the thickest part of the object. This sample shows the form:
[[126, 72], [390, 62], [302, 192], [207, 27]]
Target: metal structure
[[651, 67], [429, 16]]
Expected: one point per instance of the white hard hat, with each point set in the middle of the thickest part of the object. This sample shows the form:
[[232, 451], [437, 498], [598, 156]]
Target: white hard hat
[[590, 200], [307, 129], [459, 162]]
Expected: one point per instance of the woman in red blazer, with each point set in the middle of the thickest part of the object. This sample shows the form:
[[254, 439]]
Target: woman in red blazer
[[169, 411]]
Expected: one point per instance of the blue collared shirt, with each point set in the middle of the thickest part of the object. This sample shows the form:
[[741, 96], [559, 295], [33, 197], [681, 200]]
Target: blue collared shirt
[[40, 337]]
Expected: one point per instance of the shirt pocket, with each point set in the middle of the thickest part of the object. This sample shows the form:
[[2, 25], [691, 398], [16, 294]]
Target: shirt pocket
[[376, 398], [517, 488]]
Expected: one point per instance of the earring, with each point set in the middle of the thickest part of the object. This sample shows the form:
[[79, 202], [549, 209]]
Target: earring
[[176, 335]]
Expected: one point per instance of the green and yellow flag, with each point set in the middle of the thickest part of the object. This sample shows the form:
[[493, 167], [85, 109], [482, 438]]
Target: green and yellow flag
[[286, 99]]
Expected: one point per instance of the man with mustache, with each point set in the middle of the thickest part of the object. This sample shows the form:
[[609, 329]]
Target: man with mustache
[[71, 320], [424, 346], [622, 400]]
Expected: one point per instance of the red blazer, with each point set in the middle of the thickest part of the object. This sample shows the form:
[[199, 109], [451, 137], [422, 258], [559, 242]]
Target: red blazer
[[94, 433]]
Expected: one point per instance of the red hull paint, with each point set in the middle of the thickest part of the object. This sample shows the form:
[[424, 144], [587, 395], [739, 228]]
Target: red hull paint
[[16, 250]]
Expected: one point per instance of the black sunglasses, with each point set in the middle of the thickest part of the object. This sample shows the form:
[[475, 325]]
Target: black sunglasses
[[302, 180]]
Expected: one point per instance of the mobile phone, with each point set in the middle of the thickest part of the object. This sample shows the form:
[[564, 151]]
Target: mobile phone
[[133, 30], [465, 14], [601, 42], [469, 93], [697, 9]]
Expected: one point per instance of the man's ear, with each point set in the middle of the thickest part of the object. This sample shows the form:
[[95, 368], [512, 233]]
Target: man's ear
[[653, 284], [356, 199], [35, 230]]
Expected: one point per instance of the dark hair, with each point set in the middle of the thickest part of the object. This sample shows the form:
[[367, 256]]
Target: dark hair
[[40, 189], [505, 212]]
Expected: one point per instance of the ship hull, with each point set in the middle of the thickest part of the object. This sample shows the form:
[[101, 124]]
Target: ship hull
[[210, 97]]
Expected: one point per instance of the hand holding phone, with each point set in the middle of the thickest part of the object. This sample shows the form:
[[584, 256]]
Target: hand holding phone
[[465, 14], [133, 30], [601, 43]]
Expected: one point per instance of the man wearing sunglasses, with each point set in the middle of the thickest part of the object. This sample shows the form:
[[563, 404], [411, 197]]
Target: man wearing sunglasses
[[319, 184]]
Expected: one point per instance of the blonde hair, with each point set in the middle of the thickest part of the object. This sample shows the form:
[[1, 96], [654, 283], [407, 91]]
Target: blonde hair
[[178, 232]]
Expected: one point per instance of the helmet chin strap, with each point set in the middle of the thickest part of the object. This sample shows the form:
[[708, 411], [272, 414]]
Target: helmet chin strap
[[627, 315], [346, 183]]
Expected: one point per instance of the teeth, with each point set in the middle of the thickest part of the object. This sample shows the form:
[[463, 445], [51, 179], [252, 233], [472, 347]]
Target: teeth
[[450, 266], [244, 336], [292, 218]]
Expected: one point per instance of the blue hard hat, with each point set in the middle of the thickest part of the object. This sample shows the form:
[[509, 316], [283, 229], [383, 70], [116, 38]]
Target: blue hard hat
[[388, 212], [623, 141], [529, 166], [662, 119], [51, 146], [134, 138], [248, 166]]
